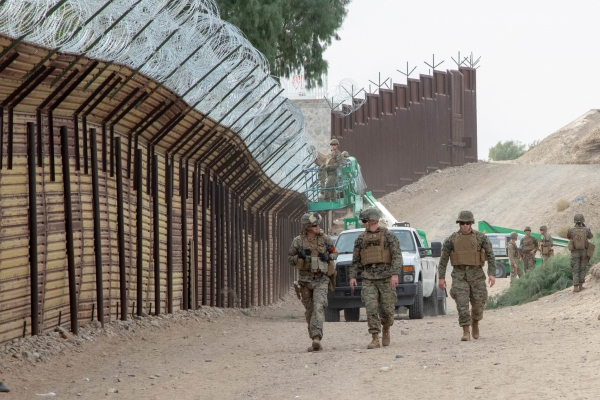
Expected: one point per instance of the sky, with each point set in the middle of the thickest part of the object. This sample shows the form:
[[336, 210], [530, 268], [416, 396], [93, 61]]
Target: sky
[[540, 60]]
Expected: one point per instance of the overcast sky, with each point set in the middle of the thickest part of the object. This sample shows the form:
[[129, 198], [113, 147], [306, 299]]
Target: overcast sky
[[540, 60]]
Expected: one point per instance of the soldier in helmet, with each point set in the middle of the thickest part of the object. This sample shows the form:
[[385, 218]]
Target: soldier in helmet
[[528, 245], [545, 244], [467, 250], [312, 252], [345, 154], [377, 253], [513, 258], [333, 162], [581, 250]]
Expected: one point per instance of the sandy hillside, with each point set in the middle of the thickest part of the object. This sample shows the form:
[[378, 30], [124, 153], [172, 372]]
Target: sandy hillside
[[509, 195], [576, 143]]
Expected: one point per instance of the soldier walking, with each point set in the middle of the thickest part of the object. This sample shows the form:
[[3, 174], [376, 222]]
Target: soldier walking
[[513, 258], [581, 250], [545, 244], [467, 250], [333, 162], [377, 253], [528, 246], [312, 252]]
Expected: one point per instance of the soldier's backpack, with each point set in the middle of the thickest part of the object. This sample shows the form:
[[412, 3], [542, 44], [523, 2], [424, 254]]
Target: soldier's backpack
[[580, 238]]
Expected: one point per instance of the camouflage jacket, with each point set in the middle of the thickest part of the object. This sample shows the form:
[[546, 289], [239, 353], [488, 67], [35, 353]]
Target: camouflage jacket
[[513, 253], [570, 233], [535, 245], [334, 161], [307, 276], [482, 243], [377, 271], [546, 240]]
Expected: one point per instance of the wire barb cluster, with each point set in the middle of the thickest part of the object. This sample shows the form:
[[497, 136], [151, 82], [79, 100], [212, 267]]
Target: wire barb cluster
[[187, 47]]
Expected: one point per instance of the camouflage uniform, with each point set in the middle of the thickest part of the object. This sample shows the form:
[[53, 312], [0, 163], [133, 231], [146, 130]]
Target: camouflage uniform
[[546, 244], [528, 258], [579, 258], [376, 289], [468, 282], [334, 161], [513, 260], [313, 285]]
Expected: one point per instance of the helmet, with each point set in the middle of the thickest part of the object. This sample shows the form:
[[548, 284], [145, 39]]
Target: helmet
[[514, 235], [334, 141], [345, 154], [310, 219], [370, 213], [465, 216], [543, 228], [527, 228], [578, 218]]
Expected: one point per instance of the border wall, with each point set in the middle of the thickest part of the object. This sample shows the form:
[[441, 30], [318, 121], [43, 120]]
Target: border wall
[[167, 209], [402, 134]]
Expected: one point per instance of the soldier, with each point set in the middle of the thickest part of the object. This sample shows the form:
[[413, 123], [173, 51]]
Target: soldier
[[545, 244], [581, 250], [345, 154], [377, 252], [528, 246], [312, 252], [333, 162], [513, 258], [467, 250]]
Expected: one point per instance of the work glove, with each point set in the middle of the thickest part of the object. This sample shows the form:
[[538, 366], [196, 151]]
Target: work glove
[[303, 253], [324, 257]]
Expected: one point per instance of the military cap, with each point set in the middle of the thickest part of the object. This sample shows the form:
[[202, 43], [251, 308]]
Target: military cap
[[527, 228], [578, 218], [370, 214], [465, 216], [514, 235], [543, 228], [334, 141]]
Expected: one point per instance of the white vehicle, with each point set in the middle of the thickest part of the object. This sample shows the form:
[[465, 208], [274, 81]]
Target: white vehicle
[[417, 284]]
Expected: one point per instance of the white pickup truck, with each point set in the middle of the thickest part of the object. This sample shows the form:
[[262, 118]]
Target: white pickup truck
[[417, 284]]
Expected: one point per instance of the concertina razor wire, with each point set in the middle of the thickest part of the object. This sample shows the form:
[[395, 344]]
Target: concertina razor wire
[[187, 47]]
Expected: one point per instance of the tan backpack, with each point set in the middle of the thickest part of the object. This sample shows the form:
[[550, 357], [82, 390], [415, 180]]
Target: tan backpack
[[580, 240]]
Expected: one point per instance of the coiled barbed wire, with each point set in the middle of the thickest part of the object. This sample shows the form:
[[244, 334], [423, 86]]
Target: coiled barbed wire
[[184, 45]]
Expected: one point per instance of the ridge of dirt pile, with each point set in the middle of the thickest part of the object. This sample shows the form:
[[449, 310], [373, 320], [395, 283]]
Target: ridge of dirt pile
[[508, 195], [575, 143]]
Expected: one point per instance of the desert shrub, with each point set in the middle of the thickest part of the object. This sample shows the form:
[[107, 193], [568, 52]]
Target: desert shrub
[[562, 205], [509, 150], [555, 275], [562, 231]]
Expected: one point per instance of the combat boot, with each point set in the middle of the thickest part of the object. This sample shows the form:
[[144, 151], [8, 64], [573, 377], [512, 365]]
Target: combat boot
[[386, 336], [375, 342], [475, 332], [580, 287], [575, 288], [466, 334], [316, 345], [3, 388]]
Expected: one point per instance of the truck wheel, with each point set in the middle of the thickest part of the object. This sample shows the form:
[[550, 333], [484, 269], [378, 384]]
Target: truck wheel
[[332, 314], [442, 303], [500, 270], [430, 304], [416, 310], [351, 314]]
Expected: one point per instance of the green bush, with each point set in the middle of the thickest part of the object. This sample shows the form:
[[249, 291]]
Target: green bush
[[509, 150], [555, 275]]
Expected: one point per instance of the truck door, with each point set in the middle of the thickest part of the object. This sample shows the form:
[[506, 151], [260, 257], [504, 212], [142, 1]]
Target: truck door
[[427, 268]]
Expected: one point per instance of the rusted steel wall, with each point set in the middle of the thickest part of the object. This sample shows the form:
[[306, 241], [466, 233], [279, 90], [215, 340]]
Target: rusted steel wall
[[402, 134], [224, 239]]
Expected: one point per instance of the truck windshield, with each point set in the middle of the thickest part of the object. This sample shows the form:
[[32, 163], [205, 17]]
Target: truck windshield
[[345, 242]]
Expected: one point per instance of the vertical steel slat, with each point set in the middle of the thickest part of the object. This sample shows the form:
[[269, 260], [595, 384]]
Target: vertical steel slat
[[33, 255], [97, 230], [169, 201], [1, 135], [184, 239], [104, 142], [156, 223], [269, 264], [121, 232], [212, 234], [230, 249], [51, 146], [85, 144], [221, 244], [76, 130], [40, 142], [259, 259], [139, 215], [204, 233], [252, 262], [195, 196], [64, 139], [112, 153]]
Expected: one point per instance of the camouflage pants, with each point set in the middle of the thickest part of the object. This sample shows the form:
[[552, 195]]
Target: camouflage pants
[[579, 261], [378, 294], [322, 177], [528, 261], [314, 299], [331, 182], [515, 271], [468, 285]]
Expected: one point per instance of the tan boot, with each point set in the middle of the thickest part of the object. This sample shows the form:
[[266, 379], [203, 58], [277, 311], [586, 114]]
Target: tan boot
[[316, 344], [386, 336], [375, 342], [575, 288], [580, 287], [466, 334], [475, 331]]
